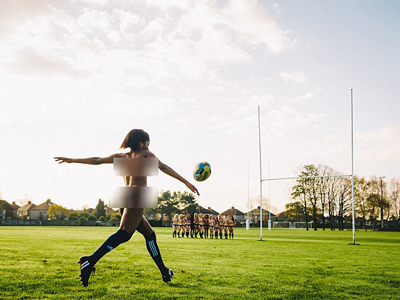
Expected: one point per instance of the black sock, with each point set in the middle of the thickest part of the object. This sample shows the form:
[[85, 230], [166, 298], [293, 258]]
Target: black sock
[[220, 235], [196, 234], [152, 247], [174, 234], [179, 234], [187, 234], [232, 234], [226, 235], [121, 236]]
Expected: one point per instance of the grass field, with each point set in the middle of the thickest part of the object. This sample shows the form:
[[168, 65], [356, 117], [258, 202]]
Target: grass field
[[40, 263]]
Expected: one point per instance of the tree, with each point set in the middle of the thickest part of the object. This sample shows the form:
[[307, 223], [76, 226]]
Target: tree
[[373, 200], [324, 171], [344, 197], [299, 192], [383, 202], [57, 212], [295, 211], [394, 196], [167, 205], [92, 218], [360, 198], [186, 201], [73, 216], [100, 209]]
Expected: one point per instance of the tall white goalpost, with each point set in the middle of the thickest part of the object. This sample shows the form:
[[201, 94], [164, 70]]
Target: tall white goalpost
[[299, 177]]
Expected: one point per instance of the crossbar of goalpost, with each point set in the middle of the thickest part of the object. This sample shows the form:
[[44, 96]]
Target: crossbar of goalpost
[[286, 178], [302, 177]]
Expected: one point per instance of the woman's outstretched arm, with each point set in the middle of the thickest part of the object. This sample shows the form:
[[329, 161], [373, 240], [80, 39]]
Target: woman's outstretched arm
[[89, 160], [168, 170]]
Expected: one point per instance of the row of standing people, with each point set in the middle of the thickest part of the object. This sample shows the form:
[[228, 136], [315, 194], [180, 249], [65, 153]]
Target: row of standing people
[[204, 225]]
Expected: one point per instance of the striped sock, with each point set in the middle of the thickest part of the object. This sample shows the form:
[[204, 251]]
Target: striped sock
[[121, 236], [152, 247]]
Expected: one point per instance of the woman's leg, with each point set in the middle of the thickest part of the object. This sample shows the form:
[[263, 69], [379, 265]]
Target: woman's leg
[[151, 243], [130, 220]]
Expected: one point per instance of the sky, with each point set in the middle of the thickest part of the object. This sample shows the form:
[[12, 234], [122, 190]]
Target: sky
[[76, 76]]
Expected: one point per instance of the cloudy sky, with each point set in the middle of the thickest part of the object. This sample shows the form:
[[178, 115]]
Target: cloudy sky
[[76, 76]]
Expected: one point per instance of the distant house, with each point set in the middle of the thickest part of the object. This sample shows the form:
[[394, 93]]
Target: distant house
[[237, 214], [15, 206], [208, 211], [202, 210], [24, 212], [213, 212], [40, 211], [7, 210], [254, 215], [282, 217]]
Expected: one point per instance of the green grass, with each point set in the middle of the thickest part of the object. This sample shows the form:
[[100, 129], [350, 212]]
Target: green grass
[[40, 263]]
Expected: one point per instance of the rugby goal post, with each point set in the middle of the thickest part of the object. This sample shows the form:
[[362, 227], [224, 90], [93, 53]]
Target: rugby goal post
[[300, 177]]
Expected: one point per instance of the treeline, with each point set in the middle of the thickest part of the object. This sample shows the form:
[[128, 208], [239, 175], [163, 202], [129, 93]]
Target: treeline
[[169, 203], [325, 197], [100, 213]]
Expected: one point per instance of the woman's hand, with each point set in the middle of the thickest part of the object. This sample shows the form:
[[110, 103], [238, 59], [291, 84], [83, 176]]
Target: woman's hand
[[192, 188], [63, 160]]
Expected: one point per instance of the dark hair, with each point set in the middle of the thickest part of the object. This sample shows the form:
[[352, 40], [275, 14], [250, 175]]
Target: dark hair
[[133, 138]]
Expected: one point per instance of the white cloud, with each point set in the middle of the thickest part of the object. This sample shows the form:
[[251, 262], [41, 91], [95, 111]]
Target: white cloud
[[298, 77], [305, 97]]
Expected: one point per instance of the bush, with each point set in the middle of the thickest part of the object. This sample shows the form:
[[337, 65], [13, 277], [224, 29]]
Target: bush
[[92, 218], [115, 220], [84, 215], [73, 216], [83, 219], [102, 218]]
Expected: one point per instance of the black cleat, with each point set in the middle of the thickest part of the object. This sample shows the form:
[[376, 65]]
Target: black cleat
[[86, 270], [167, 277]]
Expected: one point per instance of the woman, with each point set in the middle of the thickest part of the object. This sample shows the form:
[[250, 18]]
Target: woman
[[179, 225], [225, 217], [216, 227], [211, 223], [183, 224], [196, 224], [132, 218], [201, 224], [231, 225], [175, 224], [192, 228], [221, 225], [188, 222], [206, 225]]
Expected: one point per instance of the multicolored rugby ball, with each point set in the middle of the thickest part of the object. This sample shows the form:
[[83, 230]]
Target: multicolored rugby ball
[[202, 171]]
